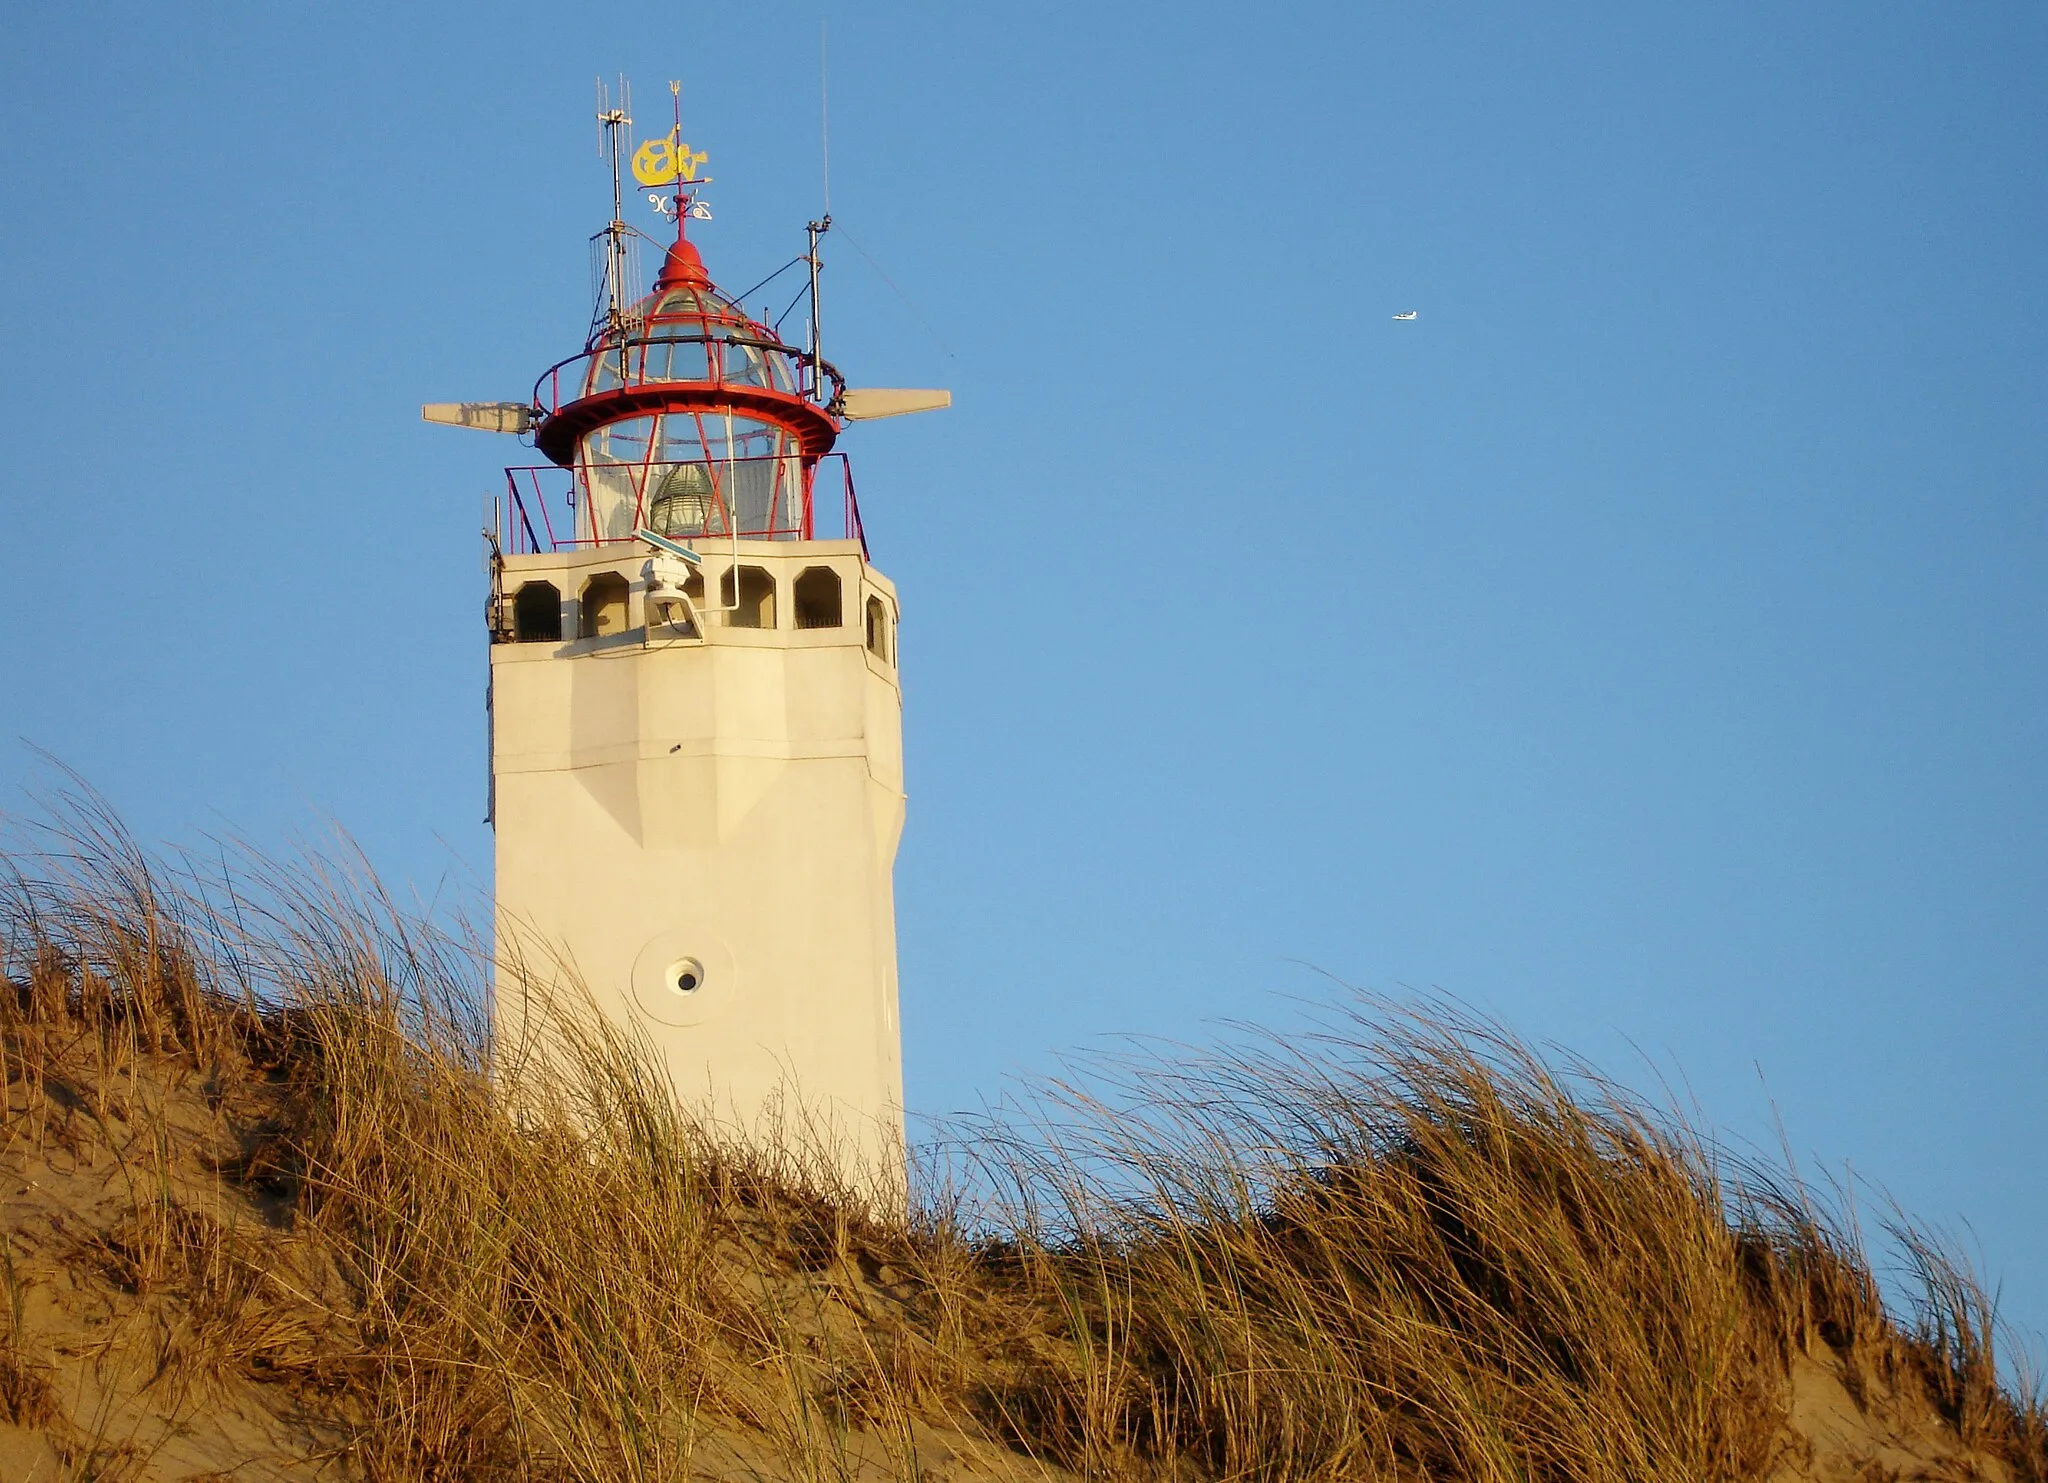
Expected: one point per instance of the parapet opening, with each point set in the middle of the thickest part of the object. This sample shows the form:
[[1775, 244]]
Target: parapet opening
[[604, 606], [537, 614], [751, 598], [879, 636], [817, 598]]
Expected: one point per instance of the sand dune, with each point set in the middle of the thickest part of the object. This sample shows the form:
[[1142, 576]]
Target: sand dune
[[267, 1216]]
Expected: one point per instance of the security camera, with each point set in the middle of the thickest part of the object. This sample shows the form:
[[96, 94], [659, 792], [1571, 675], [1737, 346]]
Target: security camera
[[665, 578]]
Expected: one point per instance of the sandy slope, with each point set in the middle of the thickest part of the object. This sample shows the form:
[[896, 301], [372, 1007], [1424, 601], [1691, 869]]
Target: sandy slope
[[167, 1321], [1847, 1424]]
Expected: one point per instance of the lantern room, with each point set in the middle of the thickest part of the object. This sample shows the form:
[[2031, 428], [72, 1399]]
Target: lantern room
[[686, 417]]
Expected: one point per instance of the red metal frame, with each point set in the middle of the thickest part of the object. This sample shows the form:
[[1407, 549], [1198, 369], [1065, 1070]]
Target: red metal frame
[[854, 529]]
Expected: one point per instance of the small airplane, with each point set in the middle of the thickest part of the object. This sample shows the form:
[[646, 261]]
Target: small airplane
[[1409, 315]]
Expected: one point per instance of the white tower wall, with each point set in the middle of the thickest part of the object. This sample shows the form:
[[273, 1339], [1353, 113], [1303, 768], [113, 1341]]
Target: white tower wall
[[725, 804]]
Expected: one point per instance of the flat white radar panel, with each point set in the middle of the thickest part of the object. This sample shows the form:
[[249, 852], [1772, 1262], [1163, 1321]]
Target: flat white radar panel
[[489, 417], [864, 403]]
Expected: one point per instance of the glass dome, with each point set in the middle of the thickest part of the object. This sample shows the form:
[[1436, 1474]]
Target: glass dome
[[695, 335]]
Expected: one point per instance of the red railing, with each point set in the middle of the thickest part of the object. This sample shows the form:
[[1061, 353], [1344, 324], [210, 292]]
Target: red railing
[[553, 508]]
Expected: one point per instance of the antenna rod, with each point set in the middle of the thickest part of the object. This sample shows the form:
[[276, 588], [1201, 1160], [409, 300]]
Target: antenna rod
[[824, 119], [675, 93]]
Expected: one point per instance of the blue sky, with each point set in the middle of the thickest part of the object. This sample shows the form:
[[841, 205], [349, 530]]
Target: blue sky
[[1644, 644]]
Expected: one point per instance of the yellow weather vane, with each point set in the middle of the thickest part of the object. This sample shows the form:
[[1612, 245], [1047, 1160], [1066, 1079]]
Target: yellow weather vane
[[667, 160]]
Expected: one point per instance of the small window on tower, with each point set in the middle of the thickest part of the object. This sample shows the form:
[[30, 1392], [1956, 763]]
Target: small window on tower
[[537, 614], [604, 606], [751, 599], [878, 629], [817, 598]]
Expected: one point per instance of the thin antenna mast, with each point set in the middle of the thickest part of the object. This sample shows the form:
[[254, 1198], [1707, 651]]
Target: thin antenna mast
[[612, 124], [818, 229]]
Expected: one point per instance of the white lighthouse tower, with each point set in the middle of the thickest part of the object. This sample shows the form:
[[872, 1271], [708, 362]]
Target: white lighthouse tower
[[696, 738]]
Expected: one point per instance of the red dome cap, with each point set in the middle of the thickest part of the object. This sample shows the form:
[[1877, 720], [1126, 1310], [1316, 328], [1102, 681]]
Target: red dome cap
[[682, 268]]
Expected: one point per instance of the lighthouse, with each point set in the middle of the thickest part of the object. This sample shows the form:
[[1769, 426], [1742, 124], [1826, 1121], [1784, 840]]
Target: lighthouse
[[695, 700]]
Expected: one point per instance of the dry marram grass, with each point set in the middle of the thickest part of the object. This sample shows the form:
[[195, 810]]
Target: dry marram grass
[[271, 1209]]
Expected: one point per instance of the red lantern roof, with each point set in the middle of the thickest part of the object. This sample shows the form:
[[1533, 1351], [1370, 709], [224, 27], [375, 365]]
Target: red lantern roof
[[683, 267], [684, 347]]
